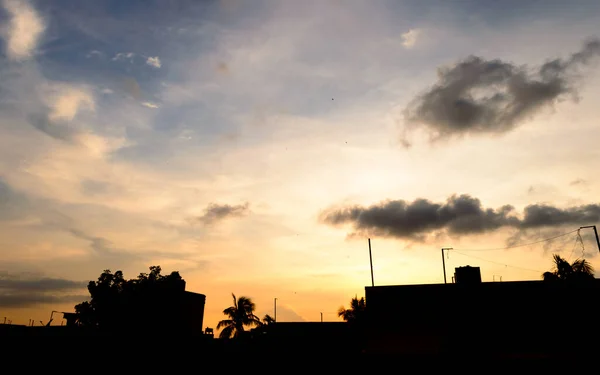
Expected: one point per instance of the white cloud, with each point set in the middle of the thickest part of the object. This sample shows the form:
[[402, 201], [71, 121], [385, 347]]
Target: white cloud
[[154, 61], [24, 29], [149, 105], [67, 101], [123, 56], [99, 147], [409, 38], [94, 53]]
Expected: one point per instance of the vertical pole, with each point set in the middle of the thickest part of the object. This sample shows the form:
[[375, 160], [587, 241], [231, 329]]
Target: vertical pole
[[371, 261], [444, 265], [275, 311], [321, 317], [597, 239]]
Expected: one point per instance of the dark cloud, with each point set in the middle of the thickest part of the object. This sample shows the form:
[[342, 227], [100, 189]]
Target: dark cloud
[[492, 96], [100, 245], [39, 285], [217, 212], [21, 300], [22, 290], [459, 215], [539, 215], [579, 182]]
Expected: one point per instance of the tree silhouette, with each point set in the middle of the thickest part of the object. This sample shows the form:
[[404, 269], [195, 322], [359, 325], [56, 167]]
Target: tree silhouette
[[240, 314], [268, 320], [562, 270], [356, 312], [118, 304]]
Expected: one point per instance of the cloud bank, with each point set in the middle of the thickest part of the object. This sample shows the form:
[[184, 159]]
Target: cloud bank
[[22, 290], [460, 215]]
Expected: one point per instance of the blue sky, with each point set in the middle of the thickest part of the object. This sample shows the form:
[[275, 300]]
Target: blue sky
[[126, 125]]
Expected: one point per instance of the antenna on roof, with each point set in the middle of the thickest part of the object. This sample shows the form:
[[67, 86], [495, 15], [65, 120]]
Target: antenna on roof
[[371, 261]]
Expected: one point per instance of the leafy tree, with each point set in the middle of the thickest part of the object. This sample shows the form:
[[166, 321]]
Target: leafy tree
[[356, 313], [578, 271], [117, 303], [239, 315]]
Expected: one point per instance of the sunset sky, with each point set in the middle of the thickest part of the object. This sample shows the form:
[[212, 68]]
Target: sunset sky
[[254, 146]]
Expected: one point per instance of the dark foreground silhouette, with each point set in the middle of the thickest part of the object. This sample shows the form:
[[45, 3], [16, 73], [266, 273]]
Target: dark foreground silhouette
[[151, 301], [141, 324]]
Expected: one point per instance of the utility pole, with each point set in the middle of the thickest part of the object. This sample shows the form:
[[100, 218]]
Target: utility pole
[[444, 261], [321, 317], [595, 232], [275, 311], [371, 261]]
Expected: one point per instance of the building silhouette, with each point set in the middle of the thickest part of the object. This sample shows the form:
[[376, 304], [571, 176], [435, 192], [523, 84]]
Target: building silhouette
[[502, 319]]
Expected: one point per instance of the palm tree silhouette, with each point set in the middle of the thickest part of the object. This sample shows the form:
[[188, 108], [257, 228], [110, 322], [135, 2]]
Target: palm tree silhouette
[[579, 270], [268, 319], [240, 314], [356, 311]]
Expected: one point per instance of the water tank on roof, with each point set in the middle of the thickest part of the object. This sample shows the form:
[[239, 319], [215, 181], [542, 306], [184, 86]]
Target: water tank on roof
[[467, 275]]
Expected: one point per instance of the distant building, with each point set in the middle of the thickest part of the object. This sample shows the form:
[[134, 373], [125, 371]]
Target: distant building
[[467, 275]]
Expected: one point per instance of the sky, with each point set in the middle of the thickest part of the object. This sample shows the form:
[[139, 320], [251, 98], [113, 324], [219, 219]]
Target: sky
[[255, 146]]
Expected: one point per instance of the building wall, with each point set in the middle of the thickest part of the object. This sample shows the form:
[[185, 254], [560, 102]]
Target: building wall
[[193, 312], [501, 316]]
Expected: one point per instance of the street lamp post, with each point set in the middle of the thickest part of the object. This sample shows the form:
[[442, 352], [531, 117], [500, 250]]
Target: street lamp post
[[444, 261], [275, 310]]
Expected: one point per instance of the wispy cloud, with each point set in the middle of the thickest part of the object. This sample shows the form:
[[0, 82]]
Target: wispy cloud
[[154, 62], [409, 38], [24, 30], [93, 53], [150, 105], [67, 101], [579, 181], [218, 212], [124, 56]]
